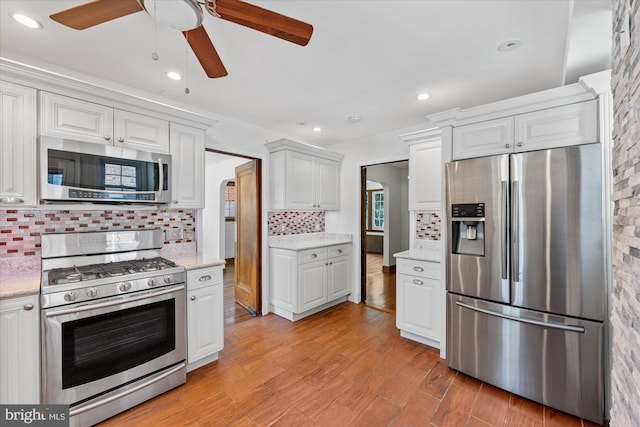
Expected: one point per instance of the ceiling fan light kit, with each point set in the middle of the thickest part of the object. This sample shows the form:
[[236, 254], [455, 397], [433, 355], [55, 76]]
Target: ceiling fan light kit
[[187, 16]]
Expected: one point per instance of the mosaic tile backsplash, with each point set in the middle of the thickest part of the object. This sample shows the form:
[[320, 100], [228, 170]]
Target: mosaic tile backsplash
[[20, 230], [296, 222], [428, 225]]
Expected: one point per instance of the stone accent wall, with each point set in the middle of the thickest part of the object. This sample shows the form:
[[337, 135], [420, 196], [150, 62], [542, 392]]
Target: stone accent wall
[[625, 301]]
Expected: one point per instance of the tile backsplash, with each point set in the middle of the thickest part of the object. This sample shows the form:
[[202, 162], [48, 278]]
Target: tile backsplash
[[295, 222], [20, 230], [428, 225]]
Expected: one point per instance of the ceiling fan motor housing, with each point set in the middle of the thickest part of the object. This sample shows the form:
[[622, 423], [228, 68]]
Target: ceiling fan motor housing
[[180, 15]]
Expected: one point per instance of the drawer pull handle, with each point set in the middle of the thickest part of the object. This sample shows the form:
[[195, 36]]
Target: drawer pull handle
[[205, 278], [339, 251], [418, 269], [418, 282], [314, 256], [28, 307]]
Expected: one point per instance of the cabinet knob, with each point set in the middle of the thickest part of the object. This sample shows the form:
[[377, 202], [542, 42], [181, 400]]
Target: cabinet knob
[[520, 144], [175, 202], [339, 251], [107, 137], [418, 282], [204, 278], [193, 298], [120, 139], [28, 307], [314, 256], [330, 262], [507, 145], [418, 269], [326, 263]]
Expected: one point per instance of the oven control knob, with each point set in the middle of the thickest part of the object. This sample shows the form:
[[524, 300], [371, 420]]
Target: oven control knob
[[151, 282], [92, 292], [167, 279], [70, 296], [124, 286]]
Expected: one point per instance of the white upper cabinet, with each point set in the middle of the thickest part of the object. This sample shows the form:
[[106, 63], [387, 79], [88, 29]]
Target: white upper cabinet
[[425, 169], [303, 177], [561, 126], [17, 145], [187, 151], [66, 117]]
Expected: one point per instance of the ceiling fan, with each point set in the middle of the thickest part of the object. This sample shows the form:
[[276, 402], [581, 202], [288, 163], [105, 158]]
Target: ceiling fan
[[186, 16]]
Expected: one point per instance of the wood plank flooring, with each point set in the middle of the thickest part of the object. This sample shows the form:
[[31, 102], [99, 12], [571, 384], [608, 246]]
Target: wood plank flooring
[[233, 312], [381, 286], [346, 366]]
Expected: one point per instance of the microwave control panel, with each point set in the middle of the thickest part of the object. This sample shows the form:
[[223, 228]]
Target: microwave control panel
[[105, 195]]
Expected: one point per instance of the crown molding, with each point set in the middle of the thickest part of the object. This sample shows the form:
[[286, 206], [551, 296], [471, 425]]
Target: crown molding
[[287, 144]]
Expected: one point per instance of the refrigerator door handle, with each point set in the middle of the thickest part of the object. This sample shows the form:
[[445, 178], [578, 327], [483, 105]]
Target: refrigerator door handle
[[552, 325], [504, 238], [515, 231]]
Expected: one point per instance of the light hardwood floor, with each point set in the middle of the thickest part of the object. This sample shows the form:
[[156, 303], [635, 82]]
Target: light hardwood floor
[[381, 286], [346, 366]]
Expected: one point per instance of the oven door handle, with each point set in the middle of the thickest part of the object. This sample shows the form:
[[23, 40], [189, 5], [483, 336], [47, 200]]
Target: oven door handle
[[111, 303], [116, 396]]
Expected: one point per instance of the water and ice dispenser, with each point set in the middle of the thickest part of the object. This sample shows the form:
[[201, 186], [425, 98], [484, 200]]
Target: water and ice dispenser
[[467, 224]]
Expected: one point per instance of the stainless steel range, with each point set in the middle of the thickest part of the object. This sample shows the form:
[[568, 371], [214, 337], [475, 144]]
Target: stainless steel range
[[113, 321]]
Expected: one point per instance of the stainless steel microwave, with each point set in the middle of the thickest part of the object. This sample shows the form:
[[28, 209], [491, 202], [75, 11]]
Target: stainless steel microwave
[[87, 172]]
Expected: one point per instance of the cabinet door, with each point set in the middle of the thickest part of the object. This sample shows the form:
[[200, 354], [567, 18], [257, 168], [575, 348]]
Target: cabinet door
[[418, 305], [483, 139], [299, 181], [327, 184], [205, 322], [313, 284], [425, 176], [141, 132], [187, 151], [71, 118], [20, 350], [17, 145], [339, 275], [284, 279], [571, 124]]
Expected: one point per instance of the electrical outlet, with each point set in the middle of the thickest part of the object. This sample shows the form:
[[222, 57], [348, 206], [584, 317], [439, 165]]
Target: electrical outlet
[[318, 226], [282, 228]]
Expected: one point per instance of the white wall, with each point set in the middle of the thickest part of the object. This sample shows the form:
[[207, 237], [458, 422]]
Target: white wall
[[218, 170], [380, 148], [396, 220]]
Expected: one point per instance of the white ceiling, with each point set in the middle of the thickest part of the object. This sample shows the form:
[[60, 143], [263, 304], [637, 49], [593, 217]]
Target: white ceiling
[[366, 57]]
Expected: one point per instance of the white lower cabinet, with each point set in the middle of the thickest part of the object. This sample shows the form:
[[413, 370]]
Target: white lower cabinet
[[205, 316], [20, 350], [310, 280], [419, 300]]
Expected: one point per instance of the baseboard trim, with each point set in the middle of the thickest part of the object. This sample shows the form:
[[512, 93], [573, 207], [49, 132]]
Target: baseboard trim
[[389, 268]]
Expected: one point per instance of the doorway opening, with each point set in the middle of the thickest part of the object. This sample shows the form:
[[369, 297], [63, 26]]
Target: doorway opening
[[232, 229], [384, 230]]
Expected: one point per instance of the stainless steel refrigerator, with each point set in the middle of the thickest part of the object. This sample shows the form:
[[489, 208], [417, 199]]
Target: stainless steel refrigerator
[[526, 275]]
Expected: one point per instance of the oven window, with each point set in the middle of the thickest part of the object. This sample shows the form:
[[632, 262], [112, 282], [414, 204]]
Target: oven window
[[100, 346]]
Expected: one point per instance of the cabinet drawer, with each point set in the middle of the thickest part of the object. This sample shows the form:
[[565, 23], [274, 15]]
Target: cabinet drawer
[[310, 255], [418, 268], [202, 277], [339, 250]]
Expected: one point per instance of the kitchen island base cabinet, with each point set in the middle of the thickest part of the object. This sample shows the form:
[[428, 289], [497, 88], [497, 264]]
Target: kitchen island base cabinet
[[20, 350], [205, 316], [310, 280]]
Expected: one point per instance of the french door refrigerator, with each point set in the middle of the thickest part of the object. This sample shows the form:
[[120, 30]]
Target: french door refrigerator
[[526, 275]]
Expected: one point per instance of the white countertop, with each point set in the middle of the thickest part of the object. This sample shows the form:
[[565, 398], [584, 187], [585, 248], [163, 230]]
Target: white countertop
[[19, 284], [425, 250], [191, 262], [308, 240]]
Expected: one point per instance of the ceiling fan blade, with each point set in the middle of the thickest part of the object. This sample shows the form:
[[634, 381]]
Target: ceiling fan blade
[[205, 52], [264, 20], [96, 12]]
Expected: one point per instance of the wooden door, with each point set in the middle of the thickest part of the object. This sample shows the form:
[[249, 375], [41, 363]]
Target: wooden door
[[248, 236]]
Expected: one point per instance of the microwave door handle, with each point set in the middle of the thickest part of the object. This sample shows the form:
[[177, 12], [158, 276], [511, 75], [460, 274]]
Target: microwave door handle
[[161, 173]]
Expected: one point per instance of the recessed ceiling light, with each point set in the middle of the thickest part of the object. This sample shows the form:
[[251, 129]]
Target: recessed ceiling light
[[174, 76], [317, 129], [423, 96], [510, 45], [25, 20]]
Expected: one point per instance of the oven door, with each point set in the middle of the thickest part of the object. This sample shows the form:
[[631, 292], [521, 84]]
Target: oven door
[[92, 348]]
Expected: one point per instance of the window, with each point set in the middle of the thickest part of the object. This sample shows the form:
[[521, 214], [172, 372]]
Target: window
[[375, 210], [230, 201]]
